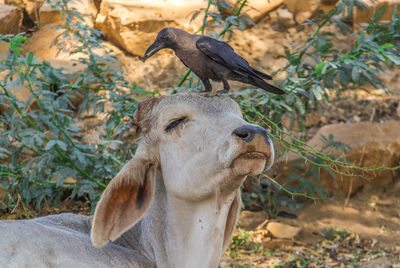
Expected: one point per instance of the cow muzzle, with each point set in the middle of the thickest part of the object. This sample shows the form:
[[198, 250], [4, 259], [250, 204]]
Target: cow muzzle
[[255, 150]]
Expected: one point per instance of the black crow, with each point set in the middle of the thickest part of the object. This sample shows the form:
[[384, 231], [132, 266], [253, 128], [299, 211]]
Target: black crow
[[209, 58]]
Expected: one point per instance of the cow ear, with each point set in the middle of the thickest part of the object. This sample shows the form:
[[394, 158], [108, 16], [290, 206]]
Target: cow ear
[[231, 219], [124, 202], [142, 118]]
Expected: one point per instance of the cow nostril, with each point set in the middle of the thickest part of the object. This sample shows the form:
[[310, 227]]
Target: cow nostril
[[242, 135], [248, 132]]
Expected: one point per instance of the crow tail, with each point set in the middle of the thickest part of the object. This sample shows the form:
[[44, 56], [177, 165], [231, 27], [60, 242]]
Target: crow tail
[[261, 74], [267, 87]]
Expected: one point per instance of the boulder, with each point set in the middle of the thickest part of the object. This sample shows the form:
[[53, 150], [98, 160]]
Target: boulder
[[362, 16], [21, 93], [303, 10], [3, 50], [50, 15], [10, 19], [40, 45], [282, 230], [285, 17], [31, 7], [371, 145], [259, 8], [133, 25], [255, 9], [306, 9]]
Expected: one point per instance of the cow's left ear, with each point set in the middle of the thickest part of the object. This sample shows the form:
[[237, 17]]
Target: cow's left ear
[[232, 219], [142, 119], [124, 202]]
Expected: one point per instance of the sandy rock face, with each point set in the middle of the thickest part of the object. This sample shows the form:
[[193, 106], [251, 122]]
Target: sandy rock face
[[22, 94], [255, 9], [364, 15], [10, 19], [30, 6], [372, 145], [134, 24], [285, 17], [49, 14], [61, 57], [304, 9]]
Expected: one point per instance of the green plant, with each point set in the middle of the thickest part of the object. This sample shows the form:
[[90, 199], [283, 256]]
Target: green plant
[[40, 142], [335, 234], [292, 261], [41, 145], [313, 69]]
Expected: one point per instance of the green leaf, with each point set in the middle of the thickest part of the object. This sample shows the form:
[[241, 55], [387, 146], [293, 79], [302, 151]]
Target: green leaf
[[62, 145], [29, 58], [318, 68], [50, 145], [379, 13], [355, 74], [300, 106], [387, 45], [317, 91]]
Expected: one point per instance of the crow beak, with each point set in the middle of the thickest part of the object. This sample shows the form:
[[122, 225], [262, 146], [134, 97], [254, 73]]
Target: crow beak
[[153, 49]]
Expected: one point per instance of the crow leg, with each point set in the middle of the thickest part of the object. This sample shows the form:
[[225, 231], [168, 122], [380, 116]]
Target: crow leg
[[207, 85], [226, 86]]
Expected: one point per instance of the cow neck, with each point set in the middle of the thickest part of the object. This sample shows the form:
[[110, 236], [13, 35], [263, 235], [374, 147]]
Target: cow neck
[[179, 233]]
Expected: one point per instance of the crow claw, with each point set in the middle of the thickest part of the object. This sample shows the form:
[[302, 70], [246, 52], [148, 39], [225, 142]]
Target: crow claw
[[222, 91]]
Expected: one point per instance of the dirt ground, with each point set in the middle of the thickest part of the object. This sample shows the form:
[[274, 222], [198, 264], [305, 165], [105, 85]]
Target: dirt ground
[[363, 233]]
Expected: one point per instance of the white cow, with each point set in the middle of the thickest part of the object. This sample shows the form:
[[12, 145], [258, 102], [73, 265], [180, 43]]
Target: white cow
[[175, 204]]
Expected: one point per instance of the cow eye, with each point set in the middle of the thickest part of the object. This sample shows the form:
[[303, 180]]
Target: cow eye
[[175, 123]]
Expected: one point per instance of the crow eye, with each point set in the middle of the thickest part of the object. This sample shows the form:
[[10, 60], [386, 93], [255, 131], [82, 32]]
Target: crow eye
[[175, 123]]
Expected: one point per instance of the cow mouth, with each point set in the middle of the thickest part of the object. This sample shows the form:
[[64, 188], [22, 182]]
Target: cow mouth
[[250, 163], [253, 155]]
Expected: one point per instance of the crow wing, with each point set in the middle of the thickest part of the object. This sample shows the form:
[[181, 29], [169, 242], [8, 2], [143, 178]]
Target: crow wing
[[224, 54]]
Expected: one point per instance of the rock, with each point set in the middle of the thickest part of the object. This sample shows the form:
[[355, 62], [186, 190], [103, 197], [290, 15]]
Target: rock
[[255, 9], [10, 19], [362, 16], [293, 124], [133, 25], [306, 9], [259, 8], [21, 94], [281, 230], [50, 15], [302, 10], [277, 243], [31, 7], [285, 17], [40, 45], [372, 145], [3, 50]]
